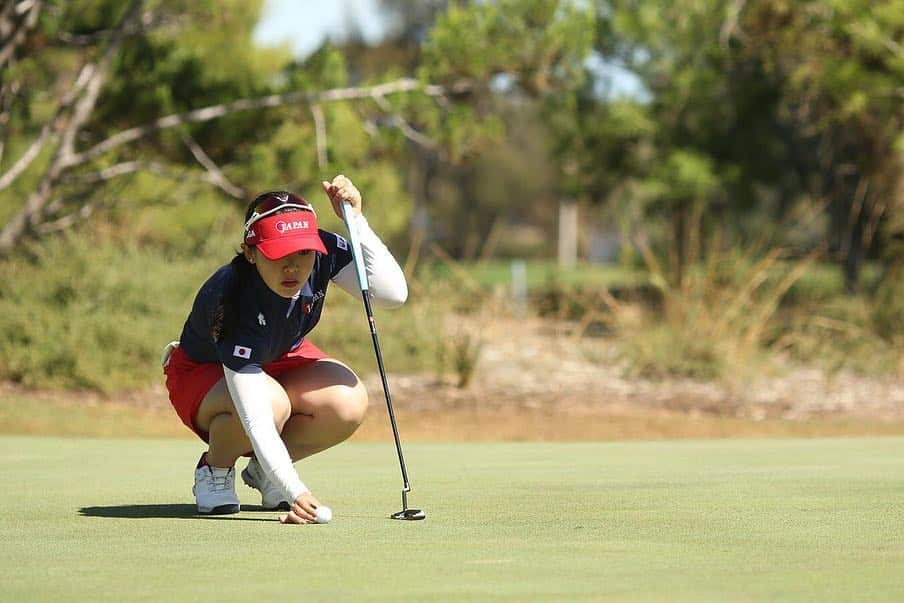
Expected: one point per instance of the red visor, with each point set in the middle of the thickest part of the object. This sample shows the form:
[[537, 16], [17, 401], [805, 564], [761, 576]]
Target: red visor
[[280, 235]]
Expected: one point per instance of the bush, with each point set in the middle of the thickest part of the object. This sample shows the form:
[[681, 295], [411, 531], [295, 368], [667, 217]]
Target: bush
[[713, 323], [860, 333], [740, 313], [887, 308], [83, 311], [85, 314], [91, 310]]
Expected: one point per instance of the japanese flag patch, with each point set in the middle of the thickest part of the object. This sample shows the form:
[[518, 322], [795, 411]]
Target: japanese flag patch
[[341, 243], [242, 352]]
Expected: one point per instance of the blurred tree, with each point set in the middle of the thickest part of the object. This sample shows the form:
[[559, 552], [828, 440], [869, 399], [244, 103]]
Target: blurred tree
[[841, 65], [143, 94], [779, 102], [105, 104], [699, 148], [92, 69], [516, 54], [752, 108]]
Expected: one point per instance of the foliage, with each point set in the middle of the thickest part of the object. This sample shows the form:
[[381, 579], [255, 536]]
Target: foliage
[[714, 321], [773, 124], [736, 314], [539, 43], [845, 333], [789, 104], [91, 314], [168, 62], [92, 309]]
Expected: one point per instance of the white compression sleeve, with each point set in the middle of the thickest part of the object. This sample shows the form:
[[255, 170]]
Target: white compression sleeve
[[386, 280], [248, 389]]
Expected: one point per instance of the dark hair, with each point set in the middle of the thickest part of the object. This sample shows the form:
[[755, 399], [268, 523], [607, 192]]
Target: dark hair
[[271, 200], [226, 314]]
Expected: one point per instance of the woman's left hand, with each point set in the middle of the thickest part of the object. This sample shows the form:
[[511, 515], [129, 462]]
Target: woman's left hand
[[341, 189]]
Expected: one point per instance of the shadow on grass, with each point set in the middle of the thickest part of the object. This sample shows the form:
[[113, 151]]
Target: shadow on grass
[[166, 511]]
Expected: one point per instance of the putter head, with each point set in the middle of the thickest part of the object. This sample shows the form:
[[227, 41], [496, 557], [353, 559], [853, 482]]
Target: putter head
[[409, 515]]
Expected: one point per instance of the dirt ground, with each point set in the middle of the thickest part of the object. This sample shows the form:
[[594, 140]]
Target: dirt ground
[[540, 385], [532, 384]]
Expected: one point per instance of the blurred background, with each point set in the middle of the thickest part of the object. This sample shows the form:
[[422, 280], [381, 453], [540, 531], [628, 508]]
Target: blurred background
[[692, 207]]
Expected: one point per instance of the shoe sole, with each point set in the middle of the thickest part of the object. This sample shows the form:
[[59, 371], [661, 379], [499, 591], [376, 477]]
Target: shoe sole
[[282, 506], [220, 510]]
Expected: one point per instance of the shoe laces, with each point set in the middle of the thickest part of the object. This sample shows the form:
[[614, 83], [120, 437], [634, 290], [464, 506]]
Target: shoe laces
[[221, 482]]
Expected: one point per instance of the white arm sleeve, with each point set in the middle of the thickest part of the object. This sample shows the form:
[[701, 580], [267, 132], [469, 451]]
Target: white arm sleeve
[[248, 389], [385, 278]]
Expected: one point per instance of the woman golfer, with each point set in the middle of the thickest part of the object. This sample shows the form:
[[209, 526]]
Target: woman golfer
[[244, 377]]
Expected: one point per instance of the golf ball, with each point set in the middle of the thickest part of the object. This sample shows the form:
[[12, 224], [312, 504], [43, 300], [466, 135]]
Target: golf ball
[[324, 514]]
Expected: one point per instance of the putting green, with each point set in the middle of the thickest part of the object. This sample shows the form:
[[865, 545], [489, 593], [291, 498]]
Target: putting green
[[113, 520]]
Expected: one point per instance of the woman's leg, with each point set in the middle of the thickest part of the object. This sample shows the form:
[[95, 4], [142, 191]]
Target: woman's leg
[[218, 418], [328, 405]]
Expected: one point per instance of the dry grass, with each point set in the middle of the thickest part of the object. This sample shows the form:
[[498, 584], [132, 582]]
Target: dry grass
[[714, 319], [148, 416]]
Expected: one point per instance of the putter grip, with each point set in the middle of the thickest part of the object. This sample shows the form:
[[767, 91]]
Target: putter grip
[[356, 244]]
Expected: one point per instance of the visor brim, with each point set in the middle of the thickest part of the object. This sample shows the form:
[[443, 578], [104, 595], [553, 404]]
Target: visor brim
[[275, 249]]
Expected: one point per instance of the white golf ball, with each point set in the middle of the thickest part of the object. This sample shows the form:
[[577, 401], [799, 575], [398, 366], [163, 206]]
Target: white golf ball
[[323, 514]]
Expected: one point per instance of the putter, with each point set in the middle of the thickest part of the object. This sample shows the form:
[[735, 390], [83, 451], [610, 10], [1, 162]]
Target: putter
[[406, 513]]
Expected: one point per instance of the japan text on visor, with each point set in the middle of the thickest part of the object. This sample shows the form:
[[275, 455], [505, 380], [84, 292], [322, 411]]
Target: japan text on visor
[[280, 234]]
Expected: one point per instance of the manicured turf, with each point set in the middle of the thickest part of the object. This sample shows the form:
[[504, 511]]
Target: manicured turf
[[733, 520]]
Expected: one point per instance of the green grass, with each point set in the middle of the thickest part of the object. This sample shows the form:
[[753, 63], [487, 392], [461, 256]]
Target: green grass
[[540, 274], [746, 520], [822, 281]]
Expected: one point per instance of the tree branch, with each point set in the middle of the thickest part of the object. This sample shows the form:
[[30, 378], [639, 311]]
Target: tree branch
[[148, 20], [9, 91], [66, 221], [131, 167], [34, 149], [86, 92], [110, 172], [30, 213], [406, 128], [320, 132], [275, 100], [216, 175], [31, 9], [730, 27]]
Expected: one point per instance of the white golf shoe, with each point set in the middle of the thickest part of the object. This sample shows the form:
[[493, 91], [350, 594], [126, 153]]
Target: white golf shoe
[[214, 490], [272, 497]]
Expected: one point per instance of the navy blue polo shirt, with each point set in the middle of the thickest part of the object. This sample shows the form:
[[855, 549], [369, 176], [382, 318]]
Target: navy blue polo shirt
[[269, 325]]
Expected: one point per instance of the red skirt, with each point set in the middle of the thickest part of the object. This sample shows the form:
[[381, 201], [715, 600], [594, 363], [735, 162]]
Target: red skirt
[[189, 381]]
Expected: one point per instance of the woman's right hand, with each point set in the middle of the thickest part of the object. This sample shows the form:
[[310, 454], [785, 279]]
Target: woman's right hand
[[339, 190], [303, 510]]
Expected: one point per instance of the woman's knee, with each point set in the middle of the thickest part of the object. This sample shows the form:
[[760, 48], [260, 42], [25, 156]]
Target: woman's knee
[[281, 405], [327, 390], [218, 402], [349, 404]]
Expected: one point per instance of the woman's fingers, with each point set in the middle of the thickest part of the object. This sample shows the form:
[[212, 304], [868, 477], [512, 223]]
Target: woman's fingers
[[342, 189], [292, 518], [302, 511], [304, 508]]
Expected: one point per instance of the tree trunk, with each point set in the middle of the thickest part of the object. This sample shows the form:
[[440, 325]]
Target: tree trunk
[[853, 259], [568, 233], [853, 245], [679, 237]]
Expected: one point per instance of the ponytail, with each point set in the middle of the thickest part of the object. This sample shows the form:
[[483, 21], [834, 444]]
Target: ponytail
[[226, 314]]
